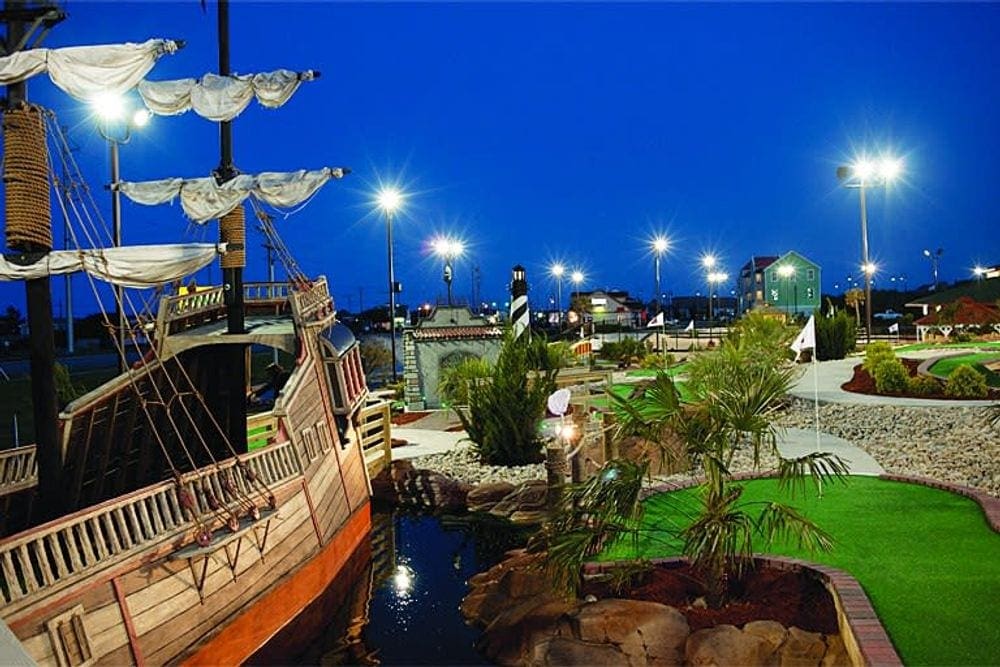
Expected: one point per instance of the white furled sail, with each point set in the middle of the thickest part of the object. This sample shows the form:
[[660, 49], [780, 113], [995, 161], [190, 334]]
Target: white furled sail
[[129, 266], [203, 199], [86, 72], [221, 98]]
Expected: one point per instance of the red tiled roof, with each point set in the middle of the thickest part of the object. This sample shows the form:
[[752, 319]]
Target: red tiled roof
[[968, 312], [456, 333]]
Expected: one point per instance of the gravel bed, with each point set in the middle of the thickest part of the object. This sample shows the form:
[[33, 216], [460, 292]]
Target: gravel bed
[[462, 464]]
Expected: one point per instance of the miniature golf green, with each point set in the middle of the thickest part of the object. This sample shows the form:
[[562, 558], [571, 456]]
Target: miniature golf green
[[672, 371], [927, 559], [915, 347], [944, 367]]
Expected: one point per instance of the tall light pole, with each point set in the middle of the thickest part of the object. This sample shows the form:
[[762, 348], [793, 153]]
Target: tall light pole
[[660, 245], [708, 261], [557, 270], [116, 127], [787, 271], [390, 199], [448, 249], [934, 257], [714, 278], [577, 278], [865, 173]]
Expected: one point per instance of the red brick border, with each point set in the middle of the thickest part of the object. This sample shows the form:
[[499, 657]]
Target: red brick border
[[866, 637]]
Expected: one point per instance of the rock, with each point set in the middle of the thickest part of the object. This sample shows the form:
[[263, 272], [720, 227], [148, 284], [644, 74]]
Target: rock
[[801, 649], [528, 497], [511, 638], [484, 496], [836, 653], [400, 470], [726, 645], [772, 632], [573, 652], [643, 631]]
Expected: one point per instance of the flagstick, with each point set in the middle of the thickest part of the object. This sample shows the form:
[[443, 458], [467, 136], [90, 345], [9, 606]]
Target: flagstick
[[815, 366]]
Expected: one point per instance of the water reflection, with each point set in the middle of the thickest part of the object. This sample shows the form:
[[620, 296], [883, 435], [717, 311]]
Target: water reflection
[[396, 603]]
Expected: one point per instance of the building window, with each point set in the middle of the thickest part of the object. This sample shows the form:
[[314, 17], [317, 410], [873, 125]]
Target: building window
[[757, 278], [759, 296], [810, 275]]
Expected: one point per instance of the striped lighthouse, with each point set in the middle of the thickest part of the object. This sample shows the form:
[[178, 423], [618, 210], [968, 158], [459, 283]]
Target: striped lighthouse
[[519, 301]]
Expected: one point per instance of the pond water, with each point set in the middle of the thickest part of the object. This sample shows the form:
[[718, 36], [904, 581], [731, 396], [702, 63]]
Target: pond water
[[396, 602]]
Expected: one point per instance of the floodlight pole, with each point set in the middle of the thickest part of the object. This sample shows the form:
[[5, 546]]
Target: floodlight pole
[[392, 293], [865, 263]]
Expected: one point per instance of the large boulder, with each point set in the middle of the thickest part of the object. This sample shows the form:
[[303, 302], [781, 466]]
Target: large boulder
[[772, 632], [726, 645], [485, 496], [569, 652], [528, 497], [644, 632], [802, 649], [665, 458]]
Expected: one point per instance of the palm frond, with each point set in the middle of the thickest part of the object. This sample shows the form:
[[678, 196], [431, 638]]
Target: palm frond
[[780, 522], [820, 467]]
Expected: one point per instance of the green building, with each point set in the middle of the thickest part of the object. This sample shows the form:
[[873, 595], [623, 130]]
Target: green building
[[789, 283]]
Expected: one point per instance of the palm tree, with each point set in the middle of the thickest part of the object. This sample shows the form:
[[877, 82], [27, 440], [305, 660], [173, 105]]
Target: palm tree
[[854, 297]]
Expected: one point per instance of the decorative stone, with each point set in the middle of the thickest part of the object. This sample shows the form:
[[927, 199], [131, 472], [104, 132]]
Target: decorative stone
[[484, 497], [726, 645], [528, 497], [836, 653], [573, 652], [801, 649], [772, 632], [643, 631]]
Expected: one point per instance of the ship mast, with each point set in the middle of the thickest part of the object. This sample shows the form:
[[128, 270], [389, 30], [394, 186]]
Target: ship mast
[[232, 231], [23, 23]]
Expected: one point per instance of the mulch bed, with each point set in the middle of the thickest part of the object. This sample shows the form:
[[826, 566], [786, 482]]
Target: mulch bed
[[764, 594], [407, 418], [863, 383]]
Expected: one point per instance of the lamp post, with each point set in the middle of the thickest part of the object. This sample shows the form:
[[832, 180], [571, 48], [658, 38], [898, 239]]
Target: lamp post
[[112, 111], [660, 245], [577, 278], [934, 257], [390, 199], [714, 278], [557, 270], [708, 261], [787, 271], [448, 249], [865, 173]]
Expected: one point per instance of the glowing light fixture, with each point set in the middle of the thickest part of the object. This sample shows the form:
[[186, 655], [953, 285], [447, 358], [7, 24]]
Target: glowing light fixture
[[108, 106], [557, 270], [708, 261], [389, 199], [141, 118], [660, 245]]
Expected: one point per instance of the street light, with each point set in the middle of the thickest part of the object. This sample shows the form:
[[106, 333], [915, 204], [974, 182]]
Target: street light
[[116, 128], [708, 261], [865, 173], [714, 278], [660, 245], [389, 199], [557, 270], [979, 272], [935, 257], [787, 271], [448, 249]]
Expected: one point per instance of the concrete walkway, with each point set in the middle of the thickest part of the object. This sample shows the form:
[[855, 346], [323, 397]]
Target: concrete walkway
[[834, 373], [796, 442], [424, 441]]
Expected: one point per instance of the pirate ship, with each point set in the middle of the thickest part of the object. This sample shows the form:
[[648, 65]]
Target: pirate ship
[[145, 525]]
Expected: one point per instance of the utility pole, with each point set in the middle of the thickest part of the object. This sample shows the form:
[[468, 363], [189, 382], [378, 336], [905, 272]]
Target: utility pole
[[18, 15]]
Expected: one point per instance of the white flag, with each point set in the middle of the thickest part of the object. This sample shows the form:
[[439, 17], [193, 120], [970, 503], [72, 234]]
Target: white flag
[[690, 326], [656, 321], [806, 339], [894, 328]]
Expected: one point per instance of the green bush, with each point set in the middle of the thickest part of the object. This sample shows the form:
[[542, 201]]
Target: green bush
[[506, 409], [966, 382], [962, 337], [454, 383], [924, 385], [875, 353], [891, 377], [623, 351], [835, 336], [654, 360]]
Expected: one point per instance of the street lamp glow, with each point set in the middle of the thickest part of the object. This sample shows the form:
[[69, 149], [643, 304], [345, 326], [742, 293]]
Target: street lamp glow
[[786, 270], [869, 268], [447, 247], [576, 277], [141, 117], [890, 168], [557, 270], [717, 277], [660, 245], [863, 169], [978, 271], [108, 106], [389, 199], [708, 261]]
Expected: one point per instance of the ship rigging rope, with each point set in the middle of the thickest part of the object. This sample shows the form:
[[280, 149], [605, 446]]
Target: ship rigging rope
[[26, 179], [69, 185], [265, 224], [233, 232]]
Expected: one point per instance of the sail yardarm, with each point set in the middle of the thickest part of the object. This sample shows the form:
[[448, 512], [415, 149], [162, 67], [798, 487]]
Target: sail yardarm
[[203, 199], [127, 266], [86, 72], [221, 98]]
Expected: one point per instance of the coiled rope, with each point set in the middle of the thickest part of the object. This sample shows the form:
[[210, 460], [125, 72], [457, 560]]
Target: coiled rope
[[26, 179]]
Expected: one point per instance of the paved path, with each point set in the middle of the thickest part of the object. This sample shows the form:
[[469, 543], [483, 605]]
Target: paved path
[[428, 435], [834, 373], [796, 442]]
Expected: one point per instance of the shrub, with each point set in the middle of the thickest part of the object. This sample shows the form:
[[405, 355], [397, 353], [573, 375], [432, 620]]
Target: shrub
[[924, 385], [505, 410], [891, 377], [455, 380], [653, 360], [875, 353], [835, 336], [966, 382], [623, 351], [962, 337]]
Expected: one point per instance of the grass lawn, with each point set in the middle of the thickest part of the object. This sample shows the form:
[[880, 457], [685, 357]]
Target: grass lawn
[[914, 347], [624, 389], [944, 367], [927, 559], [673, 371]]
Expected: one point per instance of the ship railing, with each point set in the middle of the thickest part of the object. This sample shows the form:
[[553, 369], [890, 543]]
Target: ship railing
[[18, 469], [266, 291], [374, 427], [63, 551]]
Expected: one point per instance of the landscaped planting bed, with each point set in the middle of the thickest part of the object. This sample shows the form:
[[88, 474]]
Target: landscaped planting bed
[[944, 367], [927, 559]]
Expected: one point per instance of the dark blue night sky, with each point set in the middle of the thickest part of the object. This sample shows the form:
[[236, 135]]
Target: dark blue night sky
[[539, 132]]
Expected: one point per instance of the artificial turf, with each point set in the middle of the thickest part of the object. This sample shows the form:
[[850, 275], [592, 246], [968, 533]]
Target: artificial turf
[[927, 559], [944, 367], [914, 347]]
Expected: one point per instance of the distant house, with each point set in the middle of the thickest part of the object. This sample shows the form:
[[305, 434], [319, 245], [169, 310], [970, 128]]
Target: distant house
[[610, 307], [789, 283], [984, 290], [965, 313]]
